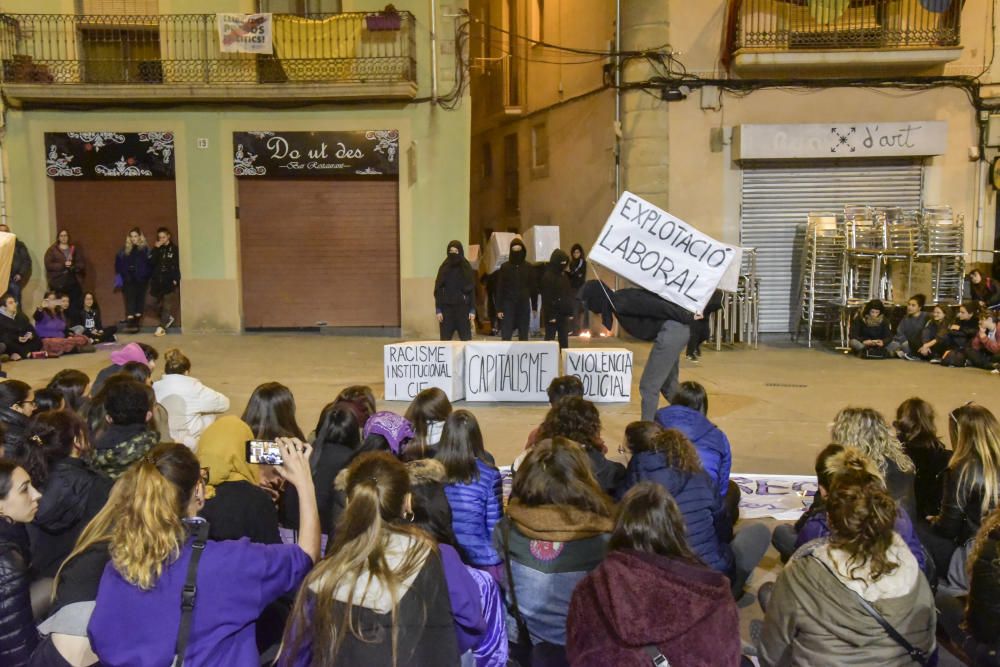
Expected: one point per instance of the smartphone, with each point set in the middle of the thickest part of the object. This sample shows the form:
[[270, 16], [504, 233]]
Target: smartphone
[[264, 451]]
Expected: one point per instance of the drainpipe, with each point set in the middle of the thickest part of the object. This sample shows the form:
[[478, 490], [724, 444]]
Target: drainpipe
[[3, 184], [618, 99], [434, 52]]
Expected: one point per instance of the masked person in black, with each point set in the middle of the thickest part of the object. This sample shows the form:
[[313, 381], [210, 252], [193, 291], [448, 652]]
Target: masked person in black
[[454, 292], [558, 299], [517, 292]]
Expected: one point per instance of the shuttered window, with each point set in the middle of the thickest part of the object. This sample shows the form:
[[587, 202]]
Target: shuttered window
[[119, 7], [776, 199]]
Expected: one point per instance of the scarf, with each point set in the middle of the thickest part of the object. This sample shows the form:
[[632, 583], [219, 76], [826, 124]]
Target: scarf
[[222, 449], [557, 523]]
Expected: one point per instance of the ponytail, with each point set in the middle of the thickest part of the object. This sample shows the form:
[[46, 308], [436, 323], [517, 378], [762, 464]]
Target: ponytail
[[149, 531]]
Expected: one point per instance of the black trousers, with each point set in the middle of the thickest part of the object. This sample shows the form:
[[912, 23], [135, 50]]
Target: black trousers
[[981, 358], [560, 327], [456, 320], [135, 298], [518, 317], [699, 334]]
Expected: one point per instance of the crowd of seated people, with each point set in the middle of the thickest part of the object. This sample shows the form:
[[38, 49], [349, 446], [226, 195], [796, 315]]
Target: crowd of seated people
[[387, 539]]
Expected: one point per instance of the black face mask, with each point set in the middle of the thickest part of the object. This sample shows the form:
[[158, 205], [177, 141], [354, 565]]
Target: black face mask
[[454, 259], [518, 254]]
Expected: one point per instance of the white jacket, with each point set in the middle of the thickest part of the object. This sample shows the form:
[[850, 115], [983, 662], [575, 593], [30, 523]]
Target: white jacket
[[191, 406]]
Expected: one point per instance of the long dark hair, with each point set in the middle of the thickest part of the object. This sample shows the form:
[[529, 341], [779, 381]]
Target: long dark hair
[[96, 308], [337, 425], [557, 472], [576, 418], [461, 447], [49, 438], [431, 510], [72, 384], [270, 412], [692, 395], [7, 468], [915, 423], [428, 406], [649, 520], [641, 436], [360, 399], [13, 392]]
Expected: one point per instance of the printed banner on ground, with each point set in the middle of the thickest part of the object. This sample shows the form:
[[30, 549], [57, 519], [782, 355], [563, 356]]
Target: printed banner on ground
[[510, 371], [606, 373], [661, 253], [245, 33], [782, 497], [412, 367]]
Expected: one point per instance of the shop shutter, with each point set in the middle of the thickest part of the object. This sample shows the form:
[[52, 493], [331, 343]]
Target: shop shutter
[[776, 198]]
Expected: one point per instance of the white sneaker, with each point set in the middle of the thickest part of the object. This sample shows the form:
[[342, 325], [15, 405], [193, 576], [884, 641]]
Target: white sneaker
[[160, 331]]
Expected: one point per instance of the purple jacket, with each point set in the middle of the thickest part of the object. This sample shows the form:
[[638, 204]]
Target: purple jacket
[[47, 326], [236, 581], [465, 603], [817, 526]]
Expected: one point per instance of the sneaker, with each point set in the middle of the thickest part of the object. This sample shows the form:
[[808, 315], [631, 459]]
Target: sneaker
[[693, 358], [935, 361], [170, 323], [910, 357], [160, 331], [900, 354]]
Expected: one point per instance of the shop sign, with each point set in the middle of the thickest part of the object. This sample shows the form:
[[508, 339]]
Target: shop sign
[[840, 140], [100, 155], [311, 154]]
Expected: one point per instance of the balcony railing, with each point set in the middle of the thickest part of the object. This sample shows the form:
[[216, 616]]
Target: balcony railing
[[182, 50], [794, 25]]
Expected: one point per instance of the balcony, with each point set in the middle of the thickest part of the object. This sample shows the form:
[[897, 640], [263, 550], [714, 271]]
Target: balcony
[[68, 58], [502, 85], [842, 34]]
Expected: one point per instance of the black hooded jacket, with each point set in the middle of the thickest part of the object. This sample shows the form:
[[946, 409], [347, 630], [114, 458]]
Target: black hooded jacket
[[456, 281], [516, 282], [557, 293], [18, 636]]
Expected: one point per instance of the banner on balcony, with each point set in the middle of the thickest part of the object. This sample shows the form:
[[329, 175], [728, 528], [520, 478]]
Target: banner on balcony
[[100, 155], [664, 254], [245, 33], [311, 154]]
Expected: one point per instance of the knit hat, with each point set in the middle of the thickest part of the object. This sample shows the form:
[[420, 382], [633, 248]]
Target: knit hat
[[395, 429], [131, 352]]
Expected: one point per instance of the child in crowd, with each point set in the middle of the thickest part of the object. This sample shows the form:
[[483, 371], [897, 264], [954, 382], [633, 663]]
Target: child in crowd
[[935, 334], [960, 336], [87, 322], [909, 334], [870, 332]]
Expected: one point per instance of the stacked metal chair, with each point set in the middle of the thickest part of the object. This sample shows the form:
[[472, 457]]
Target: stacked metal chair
[[739, 317], [942, 243], [821, 283], [902, 229]]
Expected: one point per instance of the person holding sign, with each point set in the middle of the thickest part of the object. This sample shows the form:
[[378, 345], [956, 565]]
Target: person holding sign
[[517, 293], [454, 291], [558, 300]]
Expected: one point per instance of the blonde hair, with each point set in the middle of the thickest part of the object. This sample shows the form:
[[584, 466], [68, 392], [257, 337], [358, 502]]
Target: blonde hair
[[149, 530], [377, 486], [128, 241], [175, 363], [977, 453], [866, 430]]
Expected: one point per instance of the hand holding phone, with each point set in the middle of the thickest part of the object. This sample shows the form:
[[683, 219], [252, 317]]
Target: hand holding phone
[[295, 468]]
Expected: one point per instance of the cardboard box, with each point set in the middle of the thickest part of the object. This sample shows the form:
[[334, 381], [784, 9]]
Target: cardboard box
[[472, 254], [540, 242], [497, 251], [903, 286], [409, 368]]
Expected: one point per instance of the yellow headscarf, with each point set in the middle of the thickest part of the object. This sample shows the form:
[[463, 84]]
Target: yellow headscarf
[[222, 449]]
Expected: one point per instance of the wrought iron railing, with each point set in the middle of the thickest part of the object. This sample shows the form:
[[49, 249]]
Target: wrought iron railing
[[183, 49], [845, 24]]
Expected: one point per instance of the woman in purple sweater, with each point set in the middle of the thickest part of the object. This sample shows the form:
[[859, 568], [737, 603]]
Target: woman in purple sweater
[[51, 327], [138, 610]]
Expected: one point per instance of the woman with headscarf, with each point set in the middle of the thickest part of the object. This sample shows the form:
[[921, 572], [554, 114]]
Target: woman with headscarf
[[454, 294], [235, 505]]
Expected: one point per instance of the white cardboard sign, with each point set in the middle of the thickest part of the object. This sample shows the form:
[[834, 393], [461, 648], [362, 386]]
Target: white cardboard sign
[[510, 371], [661, 253], [606, 373], [410, 368], [245, 33]]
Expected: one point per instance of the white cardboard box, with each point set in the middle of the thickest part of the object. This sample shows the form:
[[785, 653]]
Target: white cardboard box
[[510, 370], [606, 372], [497, 251], [472, 254], [411, 367], [540, 241]]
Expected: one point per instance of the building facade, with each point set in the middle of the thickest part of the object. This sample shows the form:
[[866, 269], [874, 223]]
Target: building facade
[[313, 186], [739, 118]]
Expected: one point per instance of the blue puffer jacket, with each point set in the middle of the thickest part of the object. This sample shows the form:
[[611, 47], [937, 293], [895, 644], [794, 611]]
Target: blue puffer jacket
[[475, 511], [708, 529], [712, 444]]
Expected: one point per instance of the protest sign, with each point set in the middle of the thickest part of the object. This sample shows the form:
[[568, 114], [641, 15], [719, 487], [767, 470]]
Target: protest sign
[[410, 368], [782, 497], [661, 253], [245, 33], [510, 371], [606, 373]]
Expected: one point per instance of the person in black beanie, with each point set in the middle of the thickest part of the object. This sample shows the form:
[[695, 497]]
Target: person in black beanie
[[558, 299], [517, 293], [454, 291]]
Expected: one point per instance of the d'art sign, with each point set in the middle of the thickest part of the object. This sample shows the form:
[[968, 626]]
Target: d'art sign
[[267, 154]]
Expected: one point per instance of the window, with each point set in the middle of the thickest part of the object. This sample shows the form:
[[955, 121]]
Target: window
[[512, 85], [537, 20], [539, 148], [299, 7], [487, 161], [511, 196], [129, 54], [118, 7]]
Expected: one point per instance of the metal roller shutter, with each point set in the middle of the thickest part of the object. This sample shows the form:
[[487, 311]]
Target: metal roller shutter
[[775, 200]]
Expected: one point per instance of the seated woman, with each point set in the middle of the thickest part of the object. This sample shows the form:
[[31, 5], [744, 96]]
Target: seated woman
[[52, 328], [73, 386], [235, 505], [917, 433], [578, 419], [427, 413], [982, 289], [961, 333], [19, 338], [398, 613], [150, 554], [554, 533], [361, 401], [870, 331], [618, 610], [18, 505], [670, 460], [935, 334], [190, 405], [87, 322], [818, 607]]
